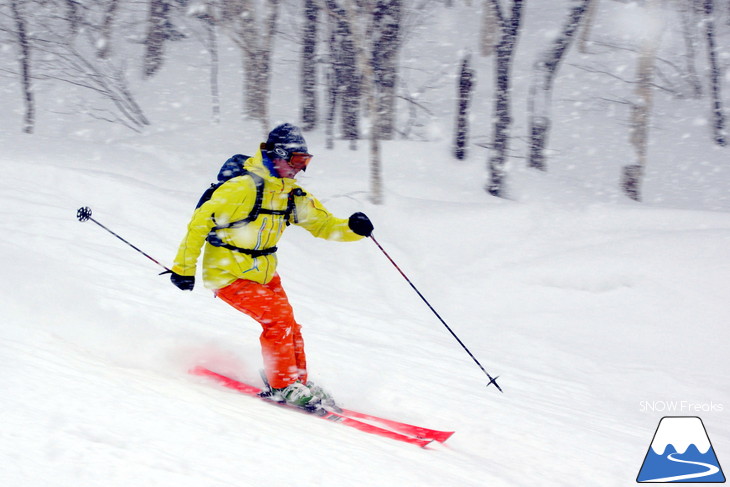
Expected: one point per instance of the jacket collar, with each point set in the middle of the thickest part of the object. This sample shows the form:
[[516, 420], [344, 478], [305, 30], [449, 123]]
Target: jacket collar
[[268, 164], [260, 164]]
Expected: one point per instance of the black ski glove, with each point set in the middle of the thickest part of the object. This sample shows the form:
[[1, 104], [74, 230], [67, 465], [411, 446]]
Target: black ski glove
[[185, 283], [360, 224]]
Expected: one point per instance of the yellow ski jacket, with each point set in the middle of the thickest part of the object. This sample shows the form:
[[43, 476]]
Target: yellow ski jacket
[[232, 202]]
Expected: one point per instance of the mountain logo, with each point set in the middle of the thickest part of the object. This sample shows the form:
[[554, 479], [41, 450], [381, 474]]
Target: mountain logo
[[680, 452]]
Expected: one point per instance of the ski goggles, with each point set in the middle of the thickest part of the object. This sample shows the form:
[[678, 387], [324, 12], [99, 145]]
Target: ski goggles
[[299, 160]]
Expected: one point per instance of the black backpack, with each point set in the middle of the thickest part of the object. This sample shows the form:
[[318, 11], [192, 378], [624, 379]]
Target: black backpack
[[230, 169]]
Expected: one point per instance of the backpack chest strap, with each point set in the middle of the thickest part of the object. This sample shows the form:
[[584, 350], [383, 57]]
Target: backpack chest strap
[[289, 213], [252, 252]]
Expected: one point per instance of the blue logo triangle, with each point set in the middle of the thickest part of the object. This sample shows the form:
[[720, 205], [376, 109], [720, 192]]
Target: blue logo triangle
[[681, 452]]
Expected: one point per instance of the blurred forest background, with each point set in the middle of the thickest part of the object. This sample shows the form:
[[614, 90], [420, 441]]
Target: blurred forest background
[[366, 71]]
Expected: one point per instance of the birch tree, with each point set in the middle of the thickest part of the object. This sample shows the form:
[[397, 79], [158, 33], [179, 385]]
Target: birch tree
[[254, 31], [104, 43], [73, 14], [386, 43], [309, 65], [345, 70], [209, 16], [688, 19], [365, 63], [155, 41], [508, 30], [715, 75], [585, 34], [633, 174], [23, 43], [464, 89], [540, 95], [348, 17], [488, 29]]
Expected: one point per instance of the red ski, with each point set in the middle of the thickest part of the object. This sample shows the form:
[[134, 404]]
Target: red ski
[[405, 428], [389, 429]]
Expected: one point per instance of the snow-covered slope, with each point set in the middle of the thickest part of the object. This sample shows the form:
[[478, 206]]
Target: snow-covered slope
[[584, 309]]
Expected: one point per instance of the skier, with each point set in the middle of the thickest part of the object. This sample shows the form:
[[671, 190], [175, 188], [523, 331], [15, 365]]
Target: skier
[[240, 225]]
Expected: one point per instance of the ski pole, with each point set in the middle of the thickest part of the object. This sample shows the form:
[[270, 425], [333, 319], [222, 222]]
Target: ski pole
[[84, 213], [492, 380]]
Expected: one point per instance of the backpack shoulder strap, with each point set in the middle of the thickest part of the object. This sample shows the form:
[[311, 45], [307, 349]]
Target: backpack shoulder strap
[[259, 182], [291, 207], [256, 209], [207, 194]]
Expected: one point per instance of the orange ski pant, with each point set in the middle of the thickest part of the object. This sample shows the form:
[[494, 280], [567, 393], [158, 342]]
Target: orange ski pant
[[281, 340]]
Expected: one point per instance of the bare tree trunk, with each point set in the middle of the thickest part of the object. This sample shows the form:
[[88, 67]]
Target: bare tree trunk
[[24, 59], [347, 78], [351, 83], [155, 42], [386, 45], [331, 77], [633, 174], [214, 89], [309, 65], [105, 41], [376, 170], [364, 61], [466, 85], [256, 40], [689, 30], [211, 15], [74, 17], [331, 107], [585, 34], [250, 82], [718, 114], [540, 97], [489, 29], [509, 28]]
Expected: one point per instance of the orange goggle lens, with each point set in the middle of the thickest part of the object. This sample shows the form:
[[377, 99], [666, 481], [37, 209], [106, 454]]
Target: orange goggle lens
[[300, 160]]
